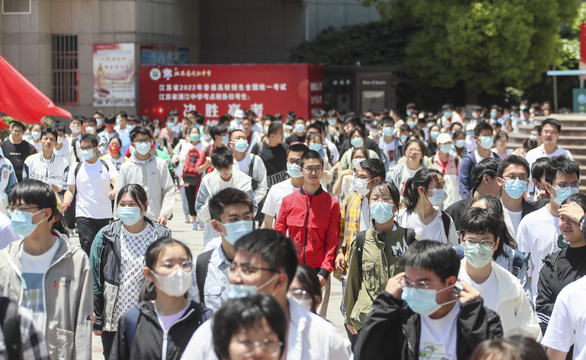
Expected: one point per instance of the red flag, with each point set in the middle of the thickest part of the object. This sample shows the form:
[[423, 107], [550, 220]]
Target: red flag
[[20, 99]]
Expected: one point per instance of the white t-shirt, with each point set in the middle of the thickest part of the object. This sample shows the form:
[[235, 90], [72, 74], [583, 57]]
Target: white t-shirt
[[488, 289], [92, 188], [478, 157], [389, 149], [512, 220], [275, 197], [567, 325], [34, 268], [407, 174], [365, 218], [539, 152], [117, 162], [538, 235], [438, 336], [432, 231]]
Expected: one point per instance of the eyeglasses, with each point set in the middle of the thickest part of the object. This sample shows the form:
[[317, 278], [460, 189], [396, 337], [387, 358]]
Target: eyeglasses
[[298, 294], [186, 265], [268, 346], [316, 169], [481, 242], [420, 284], [11, 209], [564, 185], [293, 161], [86, 148], [549, 132], [516, 177], [247, 269], [413, 151]]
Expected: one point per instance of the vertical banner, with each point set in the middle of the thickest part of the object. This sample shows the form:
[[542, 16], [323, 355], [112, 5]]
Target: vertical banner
[[114, 78], [215, 90], [582, 64]]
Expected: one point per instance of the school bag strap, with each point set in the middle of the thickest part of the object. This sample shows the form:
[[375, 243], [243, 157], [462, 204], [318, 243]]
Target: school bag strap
[[201, 271], [130, 322]]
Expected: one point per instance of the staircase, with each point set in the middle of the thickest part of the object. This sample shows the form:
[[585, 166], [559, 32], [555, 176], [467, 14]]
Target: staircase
[[573, 138]]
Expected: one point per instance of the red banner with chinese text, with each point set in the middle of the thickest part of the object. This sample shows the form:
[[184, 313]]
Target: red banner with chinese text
[[214, 90]]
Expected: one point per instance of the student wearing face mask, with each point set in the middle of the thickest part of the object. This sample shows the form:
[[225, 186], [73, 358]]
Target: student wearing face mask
[[305, 289], [151, 172], [423, 197], [500, 290], [425, 311], [107, 134], [161, 325], [36, 136], [373, 257], [357, 137], [344, 184], [449, 165], [405, 170], [483, 134], [299, 132], [231, 211], [118, 257]]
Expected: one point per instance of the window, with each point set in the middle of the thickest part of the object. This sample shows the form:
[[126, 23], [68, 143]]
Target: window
[[65, 71], [16, 7]]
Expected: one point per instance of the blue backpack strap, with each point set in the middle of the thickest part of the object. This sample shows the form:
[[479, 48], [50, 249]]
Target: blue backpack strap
[[518, 259], [130, 322], [460, 250]]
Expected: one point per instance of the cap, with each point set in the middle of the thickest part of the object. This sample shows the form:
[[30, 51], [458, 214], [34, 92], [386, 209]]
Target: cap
[[443, 138], [470, 127]]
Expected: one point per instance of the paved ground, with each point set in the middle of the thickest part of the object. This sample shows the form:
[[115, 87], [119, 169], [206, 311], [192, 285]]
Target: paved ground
[[194, 239]]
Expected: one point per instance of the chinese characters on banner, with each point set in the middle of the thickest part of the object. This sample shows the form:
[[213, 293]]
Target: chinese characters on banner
[[114, 80], [214, 90]]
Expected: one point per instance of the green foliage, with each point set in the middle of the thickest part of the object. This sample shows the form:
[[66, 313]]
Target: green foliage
[[482, 43], [376, 43]]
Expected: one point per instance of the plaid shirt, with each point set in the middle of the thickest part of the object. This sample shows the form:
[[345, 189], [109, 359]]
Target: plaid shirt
[[33, 342], [350, 220]]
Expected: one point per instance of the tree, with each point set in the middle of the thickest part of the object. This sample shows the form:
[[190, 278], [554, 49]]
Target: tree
[[484, 44]]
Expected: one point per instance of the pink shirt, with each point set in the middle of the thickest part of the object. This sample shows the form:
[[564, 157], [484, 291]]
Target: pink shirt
[[167, 321]]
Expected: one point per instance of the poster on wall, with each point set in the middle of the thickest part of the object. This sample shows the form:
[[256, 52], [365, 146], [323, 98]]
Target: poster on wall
[[114, 78], [215, 90]]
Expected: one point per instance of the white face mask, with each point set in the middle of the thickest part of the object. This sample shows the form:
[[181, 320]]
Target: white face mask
[[175, 284], [60, 140], [305, 304]]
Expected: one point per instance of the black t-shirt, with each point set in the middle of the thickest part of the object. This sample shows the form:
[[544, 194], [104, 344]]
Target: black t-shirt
[[275, 160], [294, 138], [571, 265], [17, 154]]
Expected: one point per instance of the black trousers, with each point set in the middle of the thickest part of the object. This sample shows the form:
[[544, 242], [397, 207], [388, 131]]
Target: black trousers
[[190, 193], [87, 229], [107, 341]]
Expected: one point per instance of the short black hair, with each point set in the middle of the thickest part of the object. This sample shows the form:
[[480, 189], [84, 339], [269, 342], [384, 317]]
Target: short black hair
[[49, 130], [273, 247], [110, 120], [579, 199], [538, 167], [553, 122], [495, 205], [222, 157], [247, 313], [123, 114], [93, 139], [512, 160], [311, 154], [388, 120], [274, 127], [434, 256], [488, 166], [299, 147], [318, 125], [482, 126], [91, 120], [374, 167], [390, 188], [59, 126], [561, 164], [17, 123], [477, 220], [140, 130], [228, 196], [217, 130]]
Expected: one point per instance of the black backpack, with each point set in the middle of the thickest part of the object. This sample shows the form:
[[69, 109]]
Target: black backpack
[[10, 323]]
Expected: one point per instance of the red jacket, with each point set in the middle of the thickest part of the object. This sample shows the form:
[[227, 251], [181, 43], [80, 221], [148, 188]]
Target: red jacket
[[313, 222]]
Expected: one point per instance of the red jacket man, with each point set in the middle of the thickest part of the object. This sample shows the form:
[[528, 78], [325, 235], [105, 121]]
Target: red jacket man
[[312, 218]]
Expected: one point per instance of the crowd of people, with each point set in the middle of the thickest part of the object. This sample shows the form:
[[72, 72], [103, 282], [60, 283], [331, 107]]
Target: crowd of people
[[448, 243]]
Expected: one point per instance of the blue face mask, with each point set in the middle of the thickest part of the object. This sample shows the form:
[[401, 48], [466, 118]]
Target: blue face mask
[[238, 120], [130, 127], [225, 140], [478, 255], [236, 230], [563, 193], [501, 121], [87, 155], [294, 171], [493, 114], [403, 138], [118, 122], [241, 145], [515, 188], [300, 128], [381, 212], [507, 117], [422, 301], [460, 143], [533, 137], [487, 142], [143, 148], [447, 115], [470, 133], [315, 147], [357, 142], [411, 124], [445, 148], [434, 134], [388, 131], [438, 197], [237, 291], [194, 137], [332, 122], [129, 215], [99, 122], [36, 135], [22, 222]]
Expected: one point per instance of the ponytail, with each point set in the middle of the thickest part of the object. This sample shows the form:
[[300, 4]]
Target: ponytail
[[421, 178]]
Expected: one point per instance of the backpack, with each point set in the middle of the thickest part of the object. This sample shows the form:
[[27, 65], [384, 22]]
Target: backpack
[[10, 323], [190, 174], [250, 172], [73, 143], [201, 271], [361, 239]]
